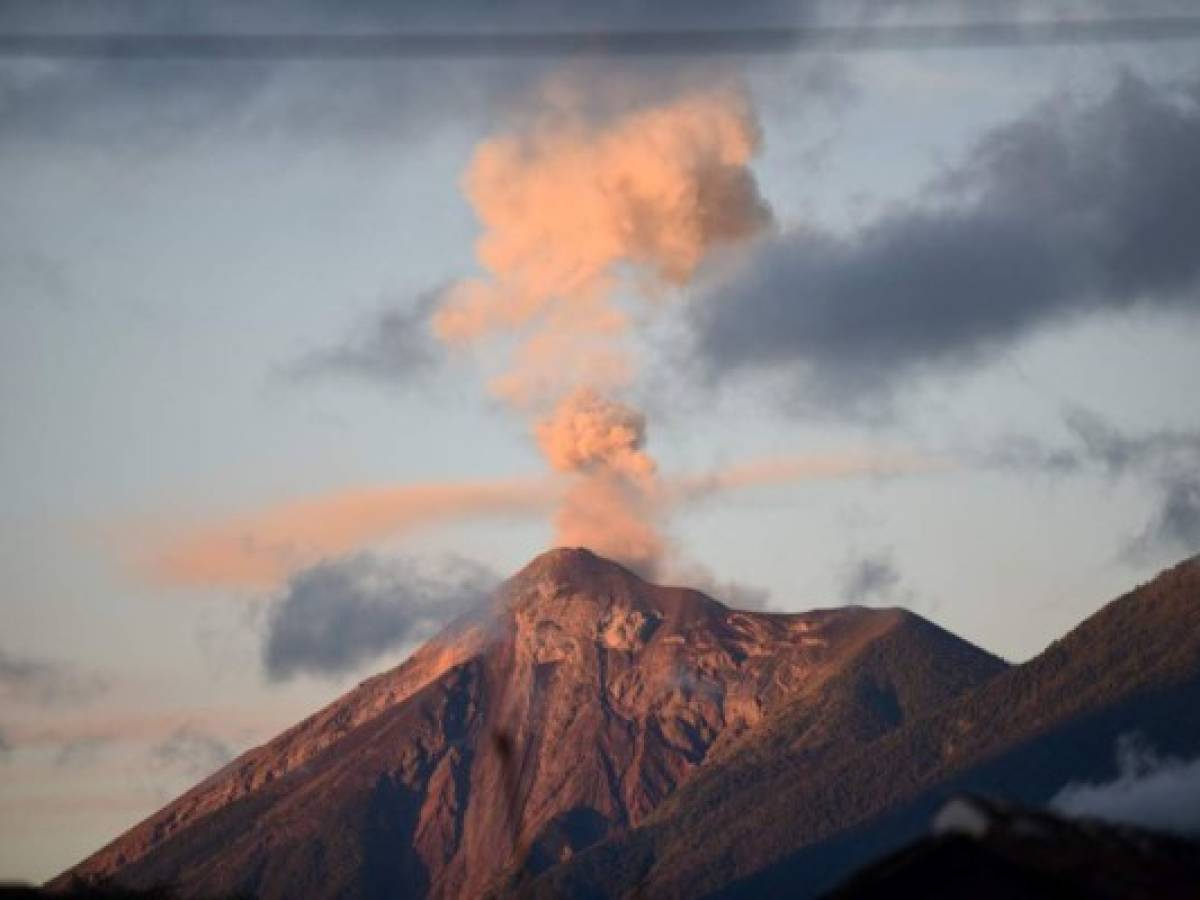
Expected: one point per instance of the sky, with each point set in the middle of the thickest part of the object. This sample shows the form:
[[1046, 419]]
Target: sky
[[298, 358]]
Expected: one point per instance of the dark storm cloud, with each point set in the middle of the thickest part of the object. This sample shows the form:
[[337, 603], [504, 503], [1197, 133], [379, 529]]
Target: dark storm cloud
[[872, 579], [260, 83], [336, 615], [45, 683], [190, 751], [1067, 211], [151, 101], [394, 346]]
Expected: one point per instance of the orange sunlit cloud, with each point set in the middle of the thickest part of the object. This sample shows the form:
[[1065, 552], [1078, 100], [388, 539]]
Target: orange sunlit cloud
[[260, 550], [787, 469]]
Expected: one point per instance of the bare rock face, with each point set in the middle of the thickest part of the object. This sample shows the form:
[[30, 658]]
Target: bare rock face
[[568, 714]]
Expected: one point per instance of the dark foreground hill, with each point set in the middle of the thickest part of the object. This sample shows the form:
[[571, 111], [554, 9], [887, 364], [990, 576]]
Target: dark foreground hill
[[564, 717], [995, 851]]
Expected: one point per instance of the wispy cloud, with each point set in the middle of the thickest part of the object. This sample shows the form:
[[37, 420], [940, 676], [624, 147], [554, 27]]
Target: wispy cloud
[[776, 470], [1176, 523], [735, 594], [44, 682], [81, 751], [1168, 459], [395, 346], [131, 724], [1150, 791], [191, 751], [1165, 460], [872, 578], [260, 550]]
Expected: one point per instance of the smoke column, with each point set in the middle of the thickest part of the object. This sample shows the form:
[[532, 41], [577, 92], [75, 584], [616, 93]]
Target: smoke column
[[577, 213]]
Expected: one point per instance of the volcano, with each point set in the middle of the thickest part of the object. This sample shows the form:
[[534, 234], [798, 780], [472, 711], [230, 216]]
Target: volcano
[[594, 735], [561, 718]]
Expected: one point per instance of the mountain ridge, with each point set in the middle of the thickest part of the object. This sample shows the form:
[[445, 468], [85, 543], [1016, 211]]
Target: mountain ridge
[[1133, 665], [582, 700]]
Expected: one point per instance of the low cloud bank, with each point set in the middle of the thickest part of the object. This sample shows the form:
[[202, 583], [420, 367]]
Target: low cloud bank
[[1159, 793]]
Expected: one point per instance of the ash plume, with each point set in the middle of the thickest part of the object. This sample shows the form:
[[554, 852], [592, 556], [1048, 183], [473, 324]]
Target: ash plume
[[612, 504], [583, 218]]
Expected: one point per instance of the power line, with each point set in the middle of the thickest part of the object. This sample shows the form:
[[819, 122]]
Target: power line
[[681, 42]]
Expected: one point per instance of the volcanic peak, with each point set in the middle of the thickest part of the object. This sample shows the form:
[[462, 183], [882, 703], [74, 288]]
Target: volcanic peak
[[570, 575]]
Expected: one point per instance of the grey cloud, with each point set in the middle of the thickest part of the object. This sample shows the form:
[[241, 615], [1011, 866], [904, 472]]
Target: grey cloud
[[35, 277], [1018, 452], [1176, 524], [5, 746], [1118, 452], [338, 614], [163, 104], [741, 595], [394, 346], [871, 579], [80, 752], [164, 100], [191, 752], [735, 594], [1149, 791], [46, 683], [1097, 444], [1068, 211], [1166, 460]]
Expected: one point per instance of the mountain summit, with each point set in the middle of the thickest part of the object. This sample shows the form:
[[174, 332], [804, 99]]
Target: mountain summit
[[511, 742]]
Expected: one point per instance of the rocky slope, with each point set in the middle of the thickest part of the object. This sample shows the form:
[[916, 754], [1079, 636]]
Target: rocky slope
[[777, 820], [567, 715]]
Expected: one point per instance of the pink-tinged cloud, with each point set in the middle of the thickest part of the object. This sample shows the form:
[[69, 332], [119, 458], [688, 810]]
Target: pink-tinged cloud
[[260, 549], [779, 470]]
